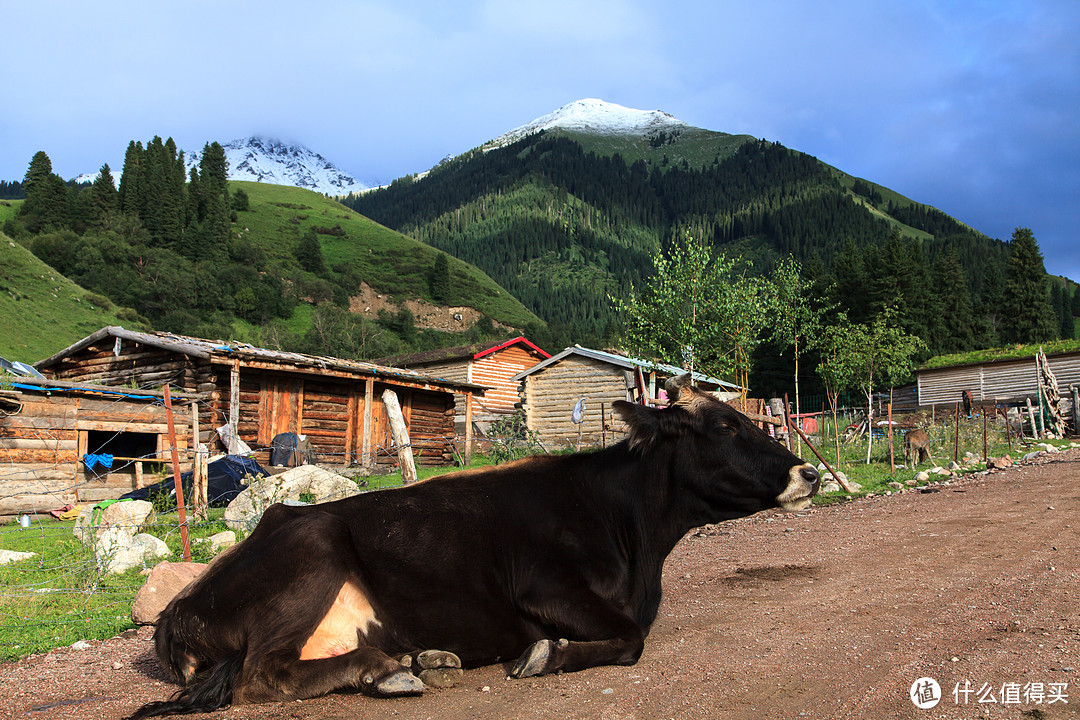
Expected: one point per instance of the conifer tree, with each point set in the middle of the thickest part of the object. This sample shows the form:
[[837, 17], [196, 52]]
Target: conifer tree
[[130, 176], [1028, 317], [308, 253], [440, 279], [102, 197]]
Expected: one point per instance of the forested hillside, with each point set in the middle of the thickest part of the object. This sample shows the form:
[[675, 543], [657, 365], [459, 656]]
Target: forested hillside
[[563, 228], [273, 265]]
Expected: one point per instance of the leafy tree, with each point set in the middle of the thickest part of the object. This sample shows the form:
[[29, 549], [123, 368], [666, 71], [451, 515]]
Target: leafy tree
[[837, 349], [697, 311], [798, 313], [1028, 317]]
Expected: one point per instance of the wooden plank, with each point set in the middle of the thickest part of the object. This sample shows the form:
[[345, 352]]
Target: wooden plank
[[234, 405], [368, 427]]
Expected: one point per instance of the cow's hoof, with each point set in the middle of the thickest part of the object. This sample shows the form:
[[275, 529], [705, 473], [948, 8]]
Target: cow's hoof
[[398, 683], [442, 677], [432, 659], [534, 661]]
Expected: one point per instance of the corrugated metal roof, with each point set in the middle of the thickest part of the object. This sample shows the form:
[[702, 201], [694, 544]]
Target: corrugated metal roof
[[625, 362]]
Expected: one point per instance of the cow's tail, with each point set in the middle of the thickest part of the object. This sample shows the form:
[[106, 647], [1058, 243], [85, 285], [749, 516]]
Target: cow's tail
[[209, 692]]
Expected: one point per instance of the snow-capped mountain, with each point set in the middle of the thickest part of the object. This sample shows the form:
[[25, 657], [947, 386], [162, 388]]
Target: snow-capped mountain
[[259, 159], [265, 160], [598, 117]]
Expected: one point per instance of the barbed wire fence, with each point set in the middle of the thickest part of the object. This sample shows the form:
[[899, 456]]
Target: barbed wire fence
[[54, 589]]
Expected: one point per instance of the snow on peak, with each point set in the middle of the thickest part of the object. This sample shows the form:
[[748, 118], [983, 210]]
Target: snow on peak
[[595, 116], [266, 160]]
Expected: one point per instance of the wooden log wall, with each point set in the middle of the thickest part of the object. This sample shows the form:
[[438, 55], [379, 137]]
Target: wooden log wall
[[494, 371], [42, 443], [550, 396]]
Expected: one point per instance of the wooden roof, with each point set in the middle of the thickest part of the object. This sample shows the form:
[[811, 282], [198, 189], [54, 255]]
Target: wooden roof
[[252, 356]]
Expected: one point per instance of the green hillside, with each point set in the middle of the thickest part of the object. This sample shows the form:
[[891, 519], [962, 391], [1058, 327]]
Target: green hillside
[[390, 262], [43, 311], [564, 220]]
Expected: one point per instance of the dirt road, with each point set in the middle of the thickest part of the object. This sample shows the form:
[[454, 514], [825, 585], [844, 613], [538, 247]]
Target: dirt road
[[831, 614]]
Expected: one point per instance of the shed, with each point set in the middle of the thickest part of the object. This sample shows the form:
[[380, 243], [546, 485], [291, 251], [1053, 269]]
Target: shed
[[551, 389], [1006, 380], [490, 364], [63, 442], [335, 403]]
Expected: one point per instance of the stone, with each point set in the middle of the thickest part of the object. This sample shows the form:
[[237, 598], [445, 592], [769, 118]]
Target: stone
[[118, 551], [1047, 447], [13, 556], [953, 465], [1031, 456], [921, 477], [896, 486], [165, 582], [830, 486], [243, 513], [221, 540], [132, 515], [999, 462]]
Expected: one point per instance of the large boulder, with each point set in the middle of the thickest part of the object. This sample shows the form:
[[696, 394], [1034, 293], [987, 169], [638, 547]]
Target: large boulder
[[164, 583], [130, 515], [310, 481]]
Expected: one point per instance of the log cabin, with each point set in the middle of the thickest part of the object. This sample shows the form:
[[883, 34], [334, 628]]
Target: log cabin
[[335, 403], [490, 364], [552, 388], [65, 443]]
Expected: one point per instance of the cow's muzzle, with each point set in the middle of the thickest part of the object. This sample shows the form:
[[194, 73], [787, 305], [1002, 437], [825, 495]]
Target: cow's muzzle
[[803, 483]]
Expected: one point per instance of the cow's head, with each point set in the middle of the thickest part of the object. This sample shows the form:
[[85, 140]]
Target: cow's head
[[724, 465]]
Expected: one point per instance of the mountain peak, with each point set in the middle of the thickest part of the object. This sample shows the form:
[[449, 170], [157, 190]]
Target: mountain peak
[[269, 160], [598, 117]]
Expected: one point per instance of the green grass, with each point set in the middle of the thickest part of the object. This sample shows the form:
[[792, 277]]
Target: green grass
[[8, 208], [59, 596], [390, 262], [43, 312], [1012, 352]]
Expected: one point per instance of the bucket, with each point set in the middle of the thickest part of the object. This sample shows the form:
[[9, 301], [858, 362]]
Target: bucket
[[24, 521]]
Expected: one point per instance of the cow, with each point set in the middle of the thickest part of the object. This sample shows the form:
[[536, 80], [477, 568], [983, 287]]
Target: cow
[[917, 447], [551, 563]]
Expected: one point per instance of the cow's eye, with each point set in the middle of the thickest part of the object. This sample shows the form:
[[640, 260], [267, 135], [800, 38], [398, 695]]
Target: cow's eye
[[724, 429]]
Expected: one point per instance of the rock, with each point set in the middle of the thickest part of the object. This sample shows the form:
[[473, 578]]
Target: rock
[[855, 487], [132, 515], [911, 483], [118, 551], [1047, 447], [830, 486], [922, 477], [13, 556], [221, 540], [896, 486], [1031, 456], [1000, 462], [243, 513], [953, 465], [166, 580]]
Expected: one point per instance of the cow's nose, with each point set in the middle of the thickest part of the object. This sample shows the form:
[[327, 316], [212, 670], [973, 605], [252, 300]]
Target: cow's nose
[[810, 474]]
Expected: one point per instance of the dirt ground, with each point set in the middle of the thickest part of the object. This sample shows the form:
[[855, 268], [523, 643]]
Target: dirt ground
[[834, 613]]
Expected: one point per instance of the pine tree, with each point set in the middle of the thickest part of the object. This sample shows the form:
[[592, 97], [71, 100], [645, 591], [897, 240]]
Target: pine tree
[[130, 178], [46, 204], [1028, 317], [102, 197], [308, 253], [440, 279]]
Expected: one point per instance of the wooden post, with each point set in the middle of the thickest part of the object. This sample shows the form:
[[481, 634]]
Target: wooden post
[[839, 480], [986, 454], [787, 422], [177, 482], [1031, 416], [892, 452], [603, 429], [956, 436], [198, 472], [369, 398], [468, 428], [1008, 430], [234, 407], [401, 436]]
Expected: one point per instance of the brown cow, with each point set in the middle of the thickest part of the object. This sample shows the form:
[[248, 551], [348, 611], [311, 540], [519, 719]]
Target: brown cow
[[555, 561], [917, 447]]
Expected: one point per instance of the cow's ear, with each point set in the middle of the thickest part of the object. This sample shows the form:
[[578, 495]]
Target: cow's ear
[[648, 425]]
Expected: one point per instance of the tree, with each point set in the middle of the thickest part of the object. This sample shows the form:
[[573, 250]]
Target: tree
[[440, 279], [881, 353], [102, 197], [308, 253], [798, 313], [696, 311], [46, 204], [1028, 317], [836, 345]]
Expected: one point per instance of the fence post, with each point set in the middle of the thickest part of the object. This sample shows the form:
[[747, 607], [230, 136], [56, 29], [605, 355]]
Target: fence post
[[177, 482], [956, 436]]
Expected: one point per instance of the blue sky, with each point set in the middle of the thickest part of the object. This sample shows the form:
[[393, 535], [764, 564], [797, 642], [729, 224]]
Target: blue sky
[[972, 107]]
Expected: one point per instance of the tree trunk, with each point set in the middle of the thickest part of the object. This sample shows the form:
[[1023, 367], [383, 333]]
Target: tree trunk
[[401, 436]]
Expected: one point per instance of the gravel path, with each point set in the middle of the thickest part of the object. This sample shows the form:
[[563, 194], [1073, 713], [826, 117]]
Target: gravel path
[[829, 614]]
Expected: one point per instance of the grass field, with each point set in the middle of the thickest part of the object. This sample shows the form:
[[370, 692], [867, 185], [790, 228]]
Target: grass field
[[43, 312]]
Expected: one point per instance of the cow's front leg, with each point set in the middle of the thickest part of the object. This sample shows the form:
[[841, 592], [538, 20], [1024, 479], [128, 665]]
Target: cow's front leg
[[591, 632]]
